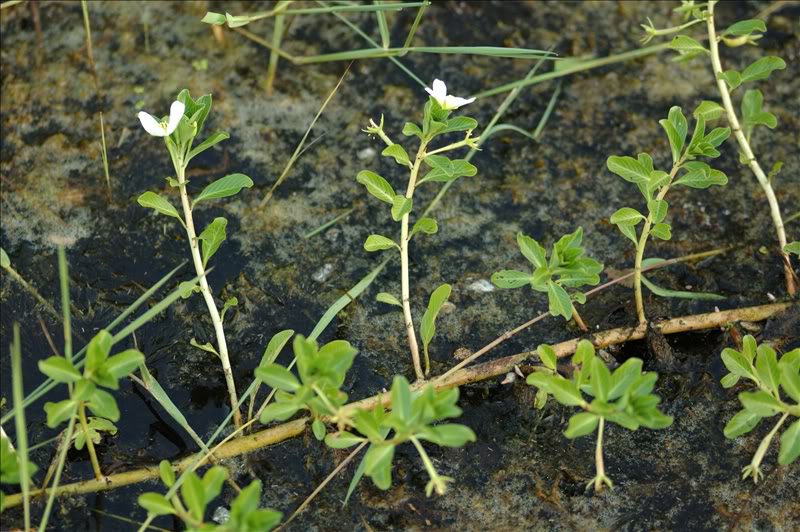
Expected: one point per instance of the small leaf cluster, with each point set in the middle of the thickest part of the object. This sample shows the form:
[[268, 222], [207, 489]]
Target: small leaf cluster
[[568, 268], [321, 374], [195, 495], [9, 467], [411, 419], [686, 171], [778, 383], [101, 371], [623, 396]]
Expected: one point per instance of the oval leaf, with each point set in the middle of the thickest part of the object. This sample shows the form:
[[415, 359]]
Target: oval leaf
[[222, 188]]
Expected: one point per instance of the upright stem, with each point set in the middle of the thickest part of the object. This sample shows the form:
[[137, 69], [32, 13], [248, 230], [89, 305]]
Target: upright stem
[[412, 336], [222, 345], [438, 482], [755, 464], [744, 145], [98, 474], [598, 458]]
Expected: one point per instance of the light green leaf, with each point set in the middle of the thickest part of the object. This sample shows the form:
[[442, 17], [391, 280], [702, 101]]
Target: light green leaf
[[448, 435], [274, 347], [737, 363], [686, 45], [708, 110], [166, 473], [658, 210], [399, 154], [104, 405], [565, 392], [424, 225], [389, 299], [59, 369], [59, 412], [767, 367], [5, 262], [581, 424], [760, 403], [459, 123], [532, 250], [278, 412], [680, 294], [717, 136], [400, 207], [378, 457], [187, 288], [319, 430], [193, 495], [762, 68], [629, 169], [732, 78], [461, 168], [229, 185], [662, 231], [207, 347], [790, 381], [624, 376], [699, 179], [510, 279], [601, 379], [212, 237], [377, 186], [729, 381], [229, 303], [745, 27], [155, 503], [342, 440], [790, 444], [792, 247], [154, 201], [676, 128], [124, 363], [215, 138], [410, 129], [428, 326], [558, 300], [278, 377], [548, 356], [630, 232], [741, 423], [378, 243]]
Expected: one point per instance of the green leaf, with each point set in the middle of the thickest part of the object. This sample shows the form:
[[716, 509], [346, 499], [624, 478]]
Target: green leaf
[[697, 178], [195, 109], [565, 392], [460, 168], [624, 377], [187, 288], [166, 473], [745, 27], [424, 225], [98, 350], [558, 301], [229, 303], [274, 347], [737, 363], [762, 68], [278, 377], [581, 424], [193, 495], [154, 201], [103, 404], [59, 412], [410, 129], [510, 279], [212, 483], [215, 138], [378, 243], [600, 380], [708, 110], [278, 412], [401, 398], [662, 231], [212, 237], [156, 504], [229, 185], [717, 136], [319, 430], [59, 369], [792, 247], [378, 456], [760, 403], [83, 390], [767, 367], [686, 45], [790, 444], [389, 299], [459, 123], [732, 78], [427, 327], [741, 423], [729, 381], [790, 381], [5, 262], [532, 250], [448, 435], [629, 169], [658, 210], [752, 112], [400, 207], [399, 154], [342, 440], [548, 356], [630, 232], [377, 186], [676, 128], [122, 364]]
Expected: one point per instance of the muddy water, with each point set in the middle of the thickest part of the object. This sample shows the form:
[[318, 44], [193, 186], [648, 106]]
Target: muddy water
[[521, 473]]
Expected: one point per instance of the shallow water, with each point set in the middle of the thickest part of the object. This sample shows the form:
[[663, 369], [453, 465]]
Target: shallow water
[[521, 472]]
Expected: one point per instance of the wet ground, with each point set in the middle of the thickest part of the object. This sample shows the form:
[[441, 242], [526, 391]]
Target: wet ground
[[522, 472]]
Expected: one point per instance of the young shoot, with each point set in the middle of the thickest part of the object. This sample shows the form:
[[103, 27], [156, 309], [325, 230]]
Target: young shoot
[[321, 374], [86, 391], [654, 184], [441, 169], [623, 397], [197, 493], [179, 130], [759, 364], [741, 33], [567, 268]]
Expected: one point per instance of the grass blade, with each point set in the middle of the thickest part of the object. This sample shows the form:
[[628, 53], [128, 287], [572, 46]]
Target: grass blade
[[328, 224], [413, 31], [22, 429], [680, 294], [383, 26]]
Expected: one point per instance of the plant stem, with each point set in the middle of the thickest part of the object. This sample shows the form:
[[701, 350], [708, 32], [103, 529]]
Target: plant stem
[[89, 443], [578, 320], [755, 463], [600, 467], [744, 145], [412, 337], [213, 312], [438, 482], [648, 223]]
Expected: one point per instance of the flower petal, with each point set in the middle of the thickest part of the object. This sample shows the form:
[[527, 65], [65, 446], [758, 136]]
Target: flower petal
[[175, 114], [439, 90], [151, 125], [454, 102]]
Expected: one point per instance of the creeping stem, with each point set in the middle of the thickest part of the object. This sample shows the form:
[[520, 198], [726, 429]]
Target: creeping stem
[[412, 336], [744, 145], [222, 345]]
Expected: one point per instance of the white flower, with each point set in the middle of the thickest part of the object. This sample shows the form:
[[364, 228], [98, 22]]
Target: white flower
[[446, 101], [165, 128]]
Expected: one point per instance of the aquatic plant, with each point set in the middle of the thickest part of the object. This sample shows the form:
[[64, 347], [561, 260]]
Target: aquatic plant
[[741, 33], [179, 131], [436, 122], [760, 365], [321, 374], [197, 493], [567, 268], [654, 184], [623, 397]]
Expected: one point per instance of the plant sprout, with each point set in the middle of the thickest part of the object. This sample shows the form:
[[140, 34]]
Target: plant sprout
[[436, 122], [654, 184], [184, 125]]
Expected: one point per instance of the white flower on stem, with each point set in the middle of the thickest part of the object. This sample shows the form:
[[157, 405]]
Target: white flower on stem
[[446, 101], [166, 127]]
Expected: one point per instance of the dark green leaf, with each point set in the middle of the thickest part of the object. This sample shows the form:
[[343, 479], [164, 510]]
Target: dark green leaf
[[762, 68], [229, 185], [215, 138], [427, 327], [152, 200]]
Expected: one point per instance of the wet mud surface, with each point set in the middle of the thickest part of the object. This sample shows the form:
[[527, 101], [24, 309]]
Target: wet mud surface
[[522, 473]]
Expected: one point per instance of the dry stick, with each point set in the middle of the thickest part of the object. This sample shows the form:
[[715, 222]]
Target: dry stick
[[744, 145], [481, 372]]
